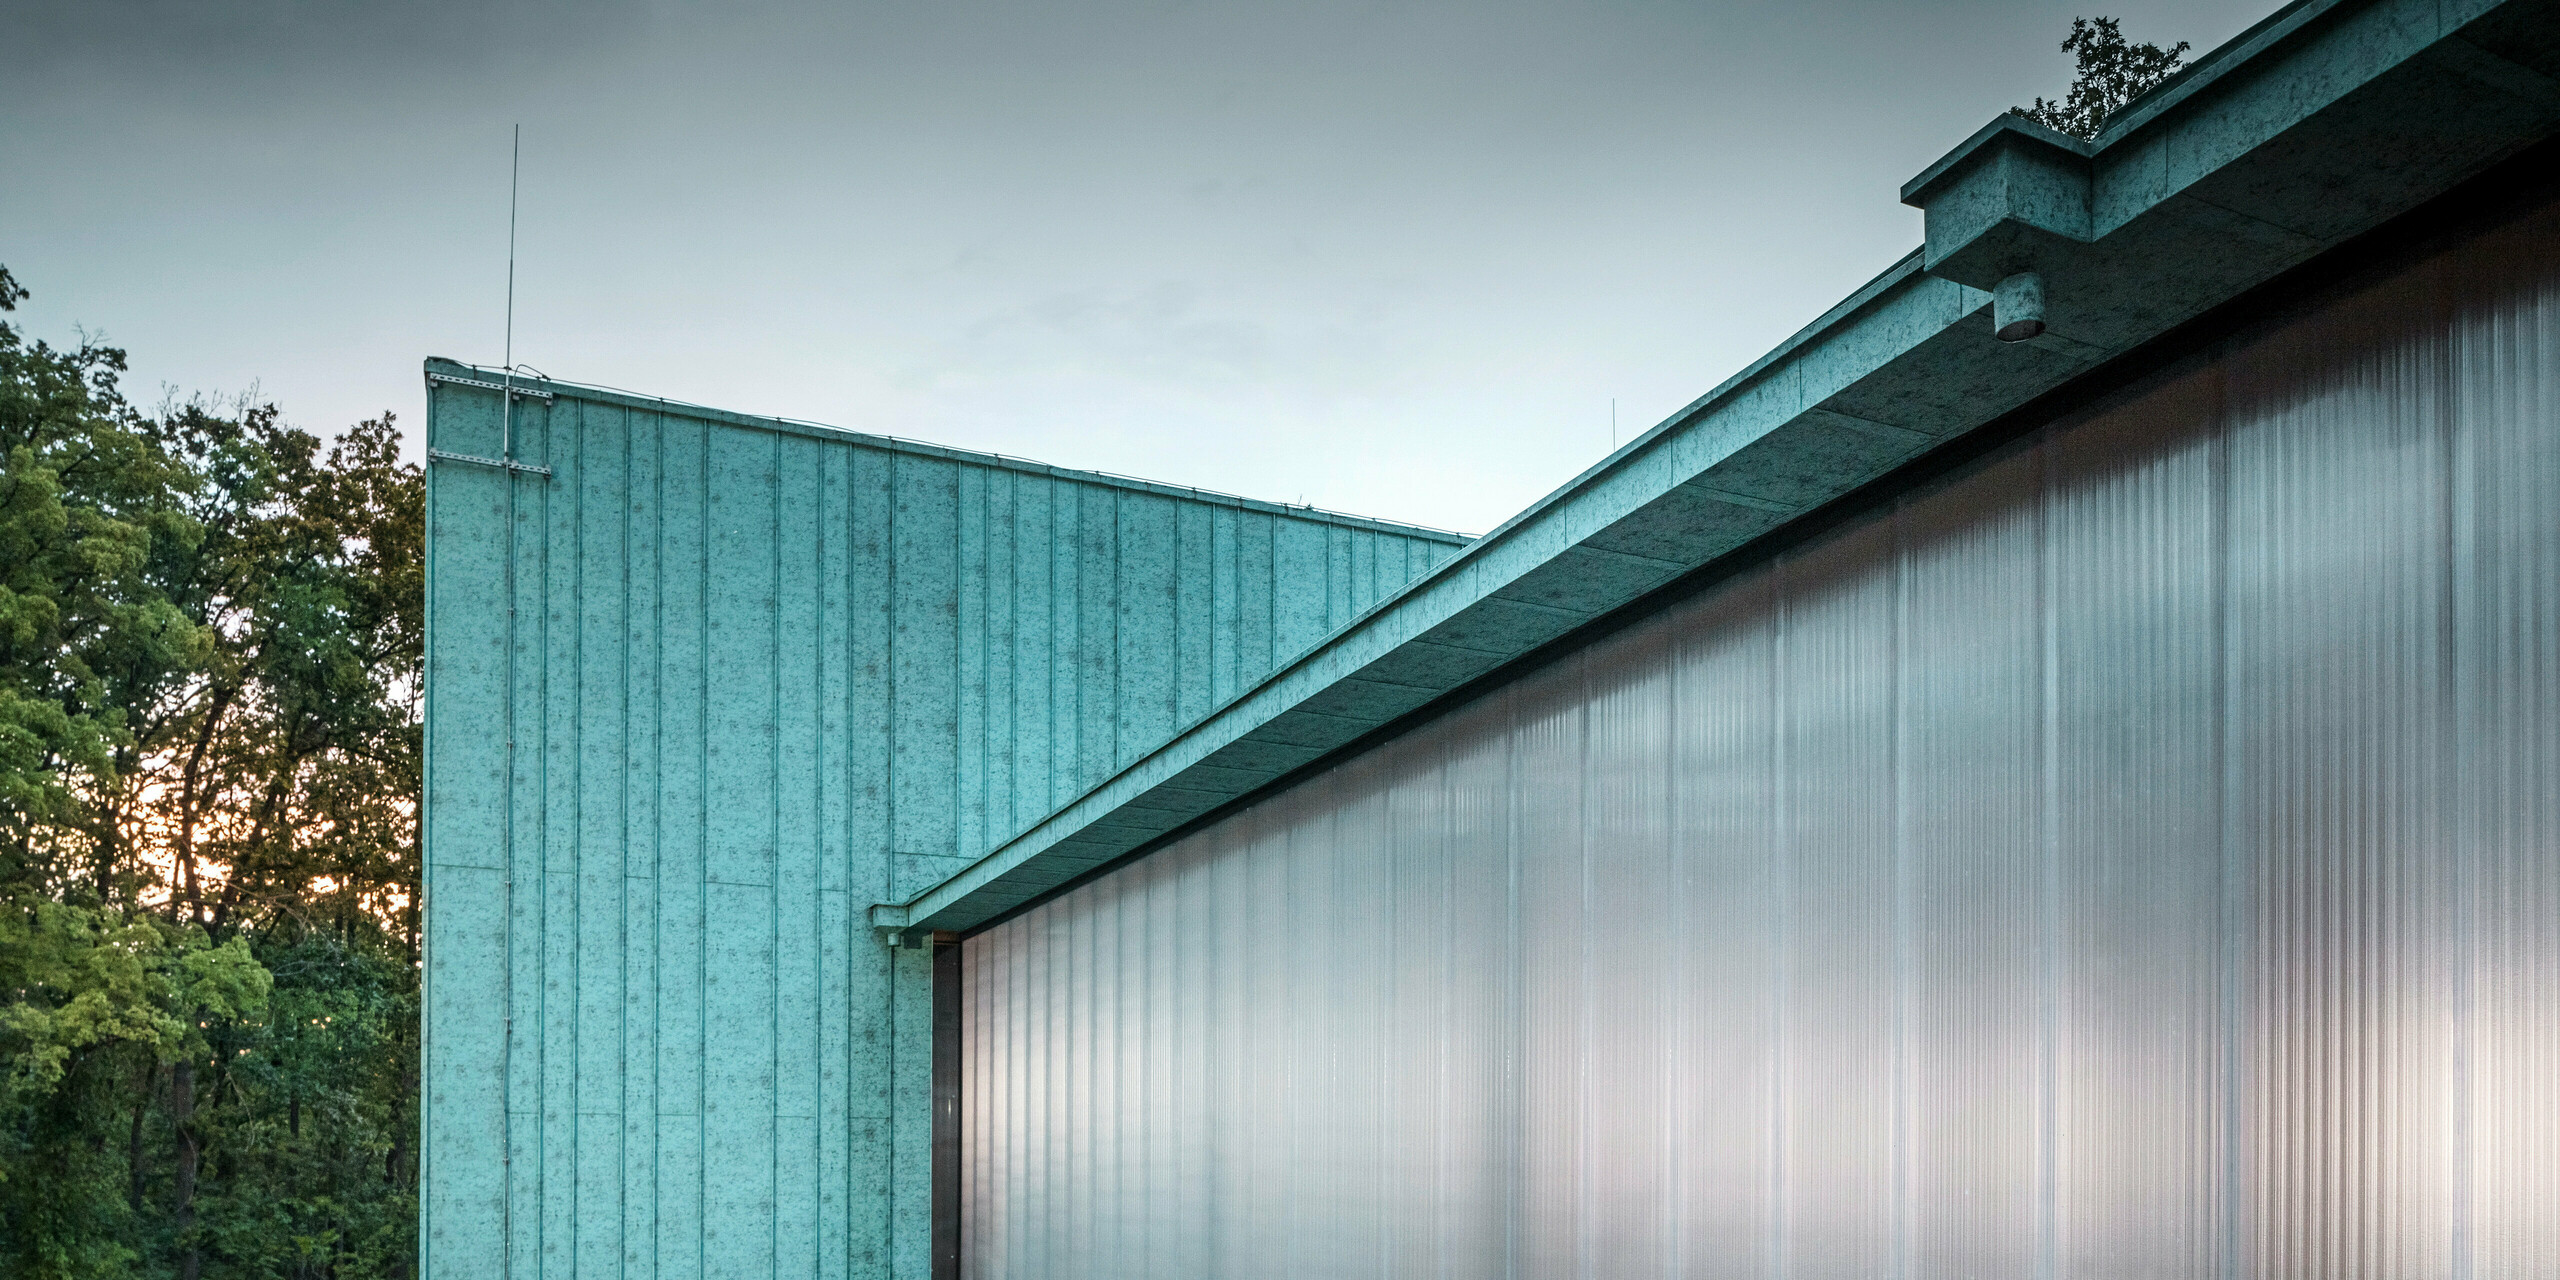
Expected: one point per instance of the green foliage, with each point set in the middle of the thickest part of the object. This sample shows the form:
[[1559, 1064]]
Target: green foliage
[[86, 495], [312, 1136], [2110, 73], [210, 644], [81, 978], [94, 997]]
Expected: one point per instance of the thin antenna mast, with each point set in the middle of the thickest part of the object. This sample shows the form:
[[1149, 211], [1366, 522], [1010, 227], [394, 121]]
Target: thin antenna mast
[[506, 376]]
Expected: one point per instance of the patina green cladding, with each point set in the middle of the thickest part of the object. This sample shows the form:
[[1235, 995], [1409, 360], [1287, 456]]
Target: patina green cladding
[[765, 676]]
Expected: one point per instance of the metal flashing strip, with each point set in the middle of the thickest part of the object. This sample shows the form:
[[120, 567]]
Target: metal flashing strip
[[527, 392], [2307, 142], [502, 464]]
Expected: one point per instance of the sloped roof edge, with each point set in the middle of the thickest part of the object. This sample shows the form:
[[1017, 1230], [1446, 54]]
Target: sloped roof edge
[[2315, 126], [440, 369]]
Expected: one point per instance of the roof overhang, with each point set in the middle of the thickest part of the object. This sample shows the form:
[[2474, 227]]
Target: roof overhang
[[2320, 123]]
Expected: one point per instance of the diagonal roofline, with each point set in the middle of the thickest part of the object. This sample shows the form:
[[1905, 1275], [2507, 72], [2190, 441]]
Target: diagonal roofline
[[439, 367]]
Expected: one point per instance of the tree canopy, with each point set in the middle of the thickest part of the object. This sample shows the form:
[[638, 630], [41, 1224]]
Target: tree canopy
[[2110, 73], [210, 646]]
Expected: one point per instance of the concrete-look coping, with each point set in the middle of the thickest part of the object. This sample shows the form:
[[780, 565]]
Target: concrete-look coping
[[2319, 123]]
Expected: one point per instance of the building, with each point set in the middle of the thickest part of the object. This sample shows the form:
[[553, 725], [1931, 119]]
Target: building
[[2085, 804]]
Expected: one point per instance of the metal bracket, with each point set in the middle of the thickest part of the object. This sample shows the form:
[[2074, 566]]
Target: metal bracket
[[502, 464], [527, 392]]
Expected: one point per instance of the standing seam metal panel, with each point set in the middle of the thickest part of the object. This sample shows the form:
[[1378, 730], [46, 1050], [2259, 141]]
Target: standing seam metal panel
[[763, 681], [2138, 855]]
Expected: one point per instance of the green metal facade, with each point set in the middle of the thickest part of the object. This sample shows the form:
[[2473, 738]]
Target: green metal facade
[[765, 676]]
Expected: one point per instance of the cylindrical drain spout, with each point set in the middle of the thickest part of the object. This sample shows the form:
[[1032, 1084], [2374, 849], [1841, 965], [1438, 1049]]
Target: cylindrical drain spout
[[2017, 307]]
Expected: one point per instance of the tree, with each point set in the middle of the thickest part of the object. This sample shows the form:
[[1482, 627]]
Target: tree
[[98, 997], [87, 497], [211, 635], [2110, 74]]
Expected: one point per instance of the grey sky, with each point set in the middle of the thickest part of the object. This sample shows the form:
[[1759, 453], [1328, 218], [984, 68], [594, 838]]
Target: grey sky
[[1393, 259]]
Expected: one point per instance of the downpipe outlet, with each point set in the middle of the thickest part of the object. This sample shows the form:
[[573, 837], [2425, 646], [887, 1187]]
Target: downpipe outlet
[[2017, 307]]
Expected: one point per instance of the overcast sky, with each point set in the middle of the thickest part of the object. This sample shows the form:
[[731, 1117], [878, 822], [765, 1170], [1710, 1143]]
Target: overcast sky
[[1388, 258]]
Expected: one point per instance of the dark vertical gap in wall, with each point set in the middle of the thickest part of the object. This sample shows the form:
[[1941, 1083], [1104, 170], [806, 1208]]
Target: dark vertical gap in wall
[[946, 1109]]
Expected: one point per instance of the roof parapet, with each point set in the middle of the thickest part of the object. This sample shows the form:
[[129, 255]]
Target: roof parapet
[[2306, 130], [2015, 192]]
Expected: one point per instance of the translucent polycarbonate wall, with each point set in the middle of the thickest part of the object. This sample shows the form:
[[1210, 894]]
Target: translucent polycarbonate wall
[[2137, 857]]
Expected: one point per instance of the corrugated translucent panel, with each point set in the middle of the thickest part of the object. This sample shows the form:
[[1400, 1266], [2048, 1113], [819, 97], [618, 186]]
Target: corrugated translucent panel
[[763, 680], [2136, 526], [2136, 856], [2506, 589]]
